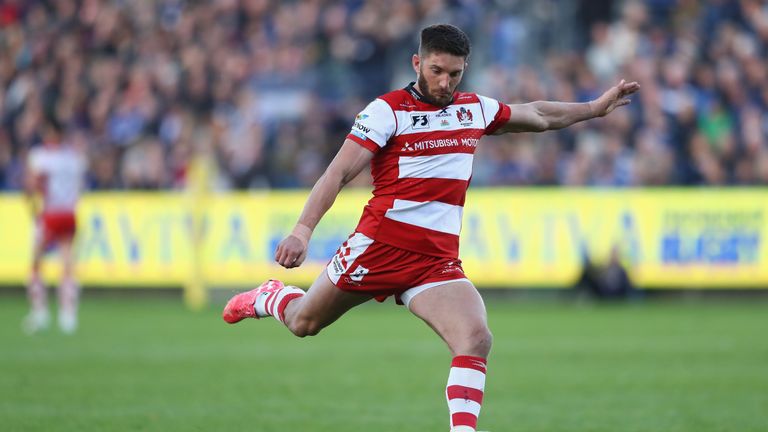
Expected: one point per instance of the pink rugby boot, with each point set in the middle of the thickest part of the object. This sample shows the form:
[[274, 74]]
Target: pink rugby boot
[[241, 305]]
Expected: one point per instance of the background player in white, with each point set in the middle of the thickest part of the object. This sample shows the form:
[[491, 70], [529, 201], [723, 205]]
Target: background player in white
[[419, 142], [54, 178]]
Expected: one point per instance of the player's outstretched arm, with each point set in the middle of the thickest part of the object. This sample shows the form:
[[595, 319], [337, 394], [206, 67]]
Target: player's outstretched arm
[[349, 161], [544, 115]]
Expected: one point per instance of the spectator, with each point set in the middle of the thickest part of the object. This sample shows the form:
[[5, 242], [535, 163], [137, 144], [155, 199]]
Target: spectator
[[272, 85]]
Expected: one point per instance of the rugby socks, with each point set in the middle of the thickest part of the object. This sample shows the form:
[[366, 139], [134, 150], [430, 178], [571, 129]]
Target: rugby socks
[[69, 293], [38, 317], [464, 392], [38, 296], [273, 303]]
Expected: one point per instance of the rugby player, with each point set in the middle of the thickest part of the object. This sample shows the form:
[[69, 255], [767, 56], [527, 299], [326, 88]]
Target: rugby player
[[53, 182], [419, 142]]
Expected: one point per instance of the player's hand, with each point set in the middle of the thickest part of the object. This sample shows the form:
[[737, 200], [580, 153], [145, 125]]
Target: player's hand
[[614, 97], [291, 252]]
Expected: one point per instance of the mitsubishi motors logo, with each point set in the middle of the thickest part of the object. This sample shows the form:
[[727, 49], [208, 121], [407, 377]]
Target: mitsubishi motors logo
[[407, 147]]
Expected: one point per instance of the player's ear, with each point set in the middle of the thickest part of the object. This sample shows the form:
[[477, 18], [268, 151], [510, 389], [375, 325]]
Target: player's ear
[[415, 62]]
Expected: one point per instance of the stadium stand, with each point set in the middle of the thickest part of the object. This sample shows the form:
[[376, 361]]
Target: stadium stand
[[270, 88]]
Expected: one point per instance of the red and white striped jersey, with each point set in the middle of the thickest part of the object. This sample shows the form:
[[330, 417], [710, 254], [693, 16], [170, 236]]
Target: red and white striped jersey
[[63, 169], [422, 166]]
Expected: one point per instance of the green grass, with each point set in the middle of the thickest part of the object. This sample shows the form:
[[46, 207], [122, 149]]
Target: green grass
[[141, 364]]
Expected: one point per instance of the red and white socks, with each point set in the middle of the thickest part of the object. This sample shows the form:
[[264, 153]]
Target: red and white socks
[[69, 294], [37, 293], [466, 383], [273, 303], [38, 318]]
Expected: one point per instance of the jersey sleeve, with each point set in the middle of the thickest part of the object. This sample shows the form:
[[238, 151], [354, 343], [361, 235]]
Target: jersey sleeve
[[495, 113], [374, 126]]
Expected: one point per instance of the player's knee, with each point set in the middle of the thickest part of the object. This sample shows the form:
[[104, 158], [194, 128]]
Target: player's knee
[[476, 342], [482, 339], [487, 341], [304, 327]]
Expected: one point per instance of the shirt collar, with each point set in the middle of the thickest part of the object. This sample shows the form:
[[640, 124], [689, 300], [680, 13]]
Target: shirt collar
[[411, 88]]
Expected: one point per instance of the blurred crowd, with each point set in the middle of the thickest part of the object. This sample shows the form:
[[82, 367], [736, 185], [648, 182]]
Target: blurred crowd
[[266, 90], [699, 118]]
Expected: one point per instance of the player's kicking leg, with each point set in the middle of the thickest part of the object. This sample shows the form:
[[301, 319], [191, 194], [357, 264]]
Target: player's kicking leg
[[456, 312], [305, 314]]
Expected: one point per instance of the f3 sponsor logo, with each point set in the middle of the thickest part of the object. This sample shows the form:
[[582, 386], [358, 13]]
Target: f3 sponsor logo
[[419, 121]]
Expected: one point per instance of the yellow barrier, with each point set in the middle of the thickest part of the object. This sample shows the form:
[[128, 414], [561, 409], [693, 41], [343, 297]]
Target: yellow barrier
[[518, 237]]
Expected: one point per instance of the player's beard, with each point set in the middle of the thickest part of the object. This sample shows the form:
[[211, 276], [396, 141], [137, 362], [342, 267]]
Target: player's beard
[[428, 98]]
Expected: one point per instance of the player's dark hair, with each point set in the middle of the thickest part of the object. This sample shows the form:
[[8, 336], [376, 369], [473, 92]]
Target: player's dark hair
[[444, 38]]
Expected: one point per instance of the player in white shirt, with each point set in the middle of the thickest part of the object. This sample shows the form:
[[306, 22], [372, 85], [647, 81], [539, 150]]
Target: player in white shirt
[[420, 142], [54, 179]]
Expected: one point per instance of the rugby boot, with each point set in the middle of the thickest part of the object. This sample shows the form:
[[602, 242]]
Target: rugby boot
[[241, 306]]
